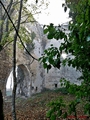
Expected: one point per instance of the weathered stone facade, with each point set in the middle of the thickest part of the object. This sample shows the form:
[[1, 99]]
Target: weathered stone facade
[[5, 66], [31, 76]]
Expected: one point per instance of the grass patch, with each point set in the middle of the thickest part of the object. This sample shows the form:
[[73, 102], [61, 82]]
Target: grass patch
[[63, 90]]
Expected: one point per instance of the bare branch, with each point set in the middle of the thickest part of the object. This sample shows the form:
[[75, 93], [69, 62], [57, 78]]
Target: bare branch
[[17, 32], [9, 10]]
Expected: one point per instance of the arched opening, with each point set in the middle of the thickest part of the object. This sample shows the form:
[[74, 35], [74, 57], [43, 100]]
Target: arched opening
[[23, 82], [9, 85]]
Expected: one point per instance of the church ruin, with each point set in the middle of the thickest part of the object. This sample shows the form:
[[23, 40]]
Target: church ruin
[[31, 76]]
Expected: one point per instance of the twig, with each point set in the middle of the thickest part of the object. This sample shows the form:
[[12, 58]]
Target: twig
[[17, 32]]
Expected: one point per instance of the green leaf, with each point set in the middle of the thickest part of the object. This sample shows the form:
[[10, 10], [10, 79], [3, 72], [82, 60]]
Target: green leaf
[[49, 113], [50, 36], [65, 115], [45, 31], [59, 113], [45, 65], [53, 117], [51, 61]]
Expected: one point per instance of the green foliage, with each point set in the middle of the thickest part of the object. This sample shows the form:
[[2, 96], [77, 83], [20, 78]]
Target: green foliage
[[54, 32], [72, 5], [7, 31], [77, 44], [61, 109], [56, 109], [25, 35], [51, 58], [62, 90], [27, 38]]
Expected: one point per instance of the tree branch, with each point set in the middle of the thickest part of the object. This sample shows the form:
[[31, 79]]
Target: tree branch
[[17, 32]]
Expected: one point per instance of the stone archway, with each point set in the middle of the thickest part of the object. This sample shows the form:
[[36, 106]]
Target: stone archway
[[5, 66], [23, 82]]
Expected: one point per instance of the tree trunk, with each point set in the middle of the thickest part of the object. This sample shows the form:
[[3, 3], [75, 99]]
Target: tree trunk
[[14, 64], [1, 21], [1, 106]]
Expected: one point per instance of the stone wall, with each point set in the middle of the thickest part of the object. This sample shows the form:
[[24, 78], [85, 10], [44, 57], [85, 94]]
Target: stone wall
[[31, 76], [52, 78], [5, 66]]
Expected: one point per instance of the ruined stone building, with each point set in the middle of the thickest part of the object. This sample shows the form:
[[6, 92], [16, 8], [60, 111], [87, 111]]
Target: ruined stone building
[[5, 67], [31, 76]]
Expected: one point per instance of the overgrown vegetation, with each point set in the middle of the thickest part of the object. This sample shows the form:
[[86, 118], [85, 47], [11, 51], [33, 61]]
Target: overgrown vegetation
[[77, 44]]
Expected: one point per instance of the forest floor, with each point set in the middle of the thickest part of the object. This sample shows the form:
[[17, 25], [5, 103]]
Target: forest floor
[[35, 107]]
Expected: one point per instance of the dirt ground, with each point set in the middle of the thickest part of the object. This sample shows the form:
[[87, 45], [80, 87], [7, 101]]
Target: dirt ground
[[35, 108]]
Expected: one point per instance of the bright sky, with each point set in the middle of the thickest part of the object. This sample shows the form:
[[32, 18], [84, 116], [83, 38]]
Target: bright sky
[[53, 14]]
